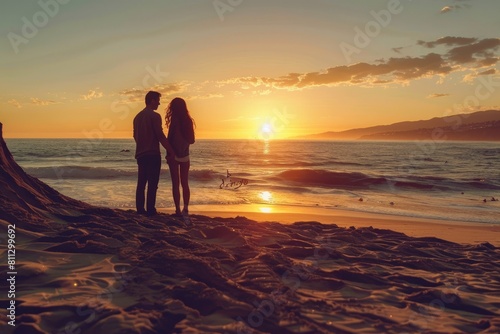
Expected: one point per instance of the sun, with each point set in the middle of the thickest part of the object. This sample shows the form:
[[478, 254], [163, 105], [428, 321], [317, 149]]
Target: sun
[[266, 130]]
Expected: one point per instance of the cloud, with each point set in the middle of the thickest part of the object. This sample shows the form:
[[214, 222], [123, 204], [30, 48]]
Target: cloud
[[488, 72], [397, 69], [392, 70], [15, 103], [448, 41], [482, 52], [91, 95], [137, 95], [436, 95], [446, 9], [133, 94], [397, 50], [453, 8], [455, 54], [40, 102], [471, 76], [205, 96], [171, 88]]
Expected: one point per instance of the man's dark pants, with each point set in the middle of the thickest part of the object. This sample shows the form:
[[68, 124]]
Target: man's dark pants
[[149, 172]]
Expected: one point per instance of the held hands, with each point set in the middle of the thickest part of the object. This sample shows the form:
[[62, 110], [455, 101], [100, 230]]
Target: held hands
[[170, 158]]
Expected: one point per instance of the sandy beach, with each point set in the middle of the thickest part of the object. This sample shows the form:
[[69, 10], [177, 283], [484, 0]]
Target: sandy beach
[[455, 231], [78, 268]]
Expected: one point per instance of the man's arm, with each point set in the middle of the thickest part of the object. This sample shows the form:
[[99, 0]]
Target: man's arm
[[164, 142], [134, 130]]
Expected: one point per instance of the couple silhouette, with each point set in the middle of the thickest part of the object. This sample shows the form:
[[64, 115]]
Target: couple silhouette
[[148, 135]]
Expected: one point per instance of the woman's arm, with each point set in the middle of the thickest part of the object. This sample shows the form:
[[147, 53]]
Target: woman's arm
[[188, 130]]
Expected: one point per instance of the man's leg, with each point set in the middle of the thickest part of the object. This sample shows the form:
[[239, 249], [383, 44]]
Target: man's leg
[[141, 185], [153, 180]]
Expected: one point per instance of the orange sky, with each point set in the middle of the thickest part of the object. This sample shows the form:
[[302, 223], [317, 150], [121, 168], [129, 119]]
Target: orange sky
[[246, 68]]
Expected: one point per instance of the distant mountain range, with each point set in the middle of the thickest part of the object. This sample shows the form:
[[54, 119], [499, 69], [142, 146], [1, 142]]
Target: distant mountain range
[[479, 126]]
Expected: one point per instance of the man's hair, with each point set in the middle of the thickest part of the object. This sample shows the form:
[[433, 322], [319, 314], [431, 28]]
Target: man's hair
[[151, 95]]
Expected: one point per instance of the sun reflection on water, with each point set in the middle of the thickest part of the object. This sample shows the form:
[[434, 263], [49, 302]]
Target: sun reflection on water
[[266, 149], [266, 197], [265, 209]]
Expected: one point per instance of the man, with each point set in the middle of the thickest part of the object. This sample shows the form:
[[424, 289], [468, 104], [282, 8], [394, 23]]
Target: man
[[148, 134]]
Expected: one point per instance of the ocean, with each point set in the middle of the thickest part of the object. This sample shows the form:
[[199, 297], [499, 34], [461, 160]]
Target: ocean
[[439, 180]]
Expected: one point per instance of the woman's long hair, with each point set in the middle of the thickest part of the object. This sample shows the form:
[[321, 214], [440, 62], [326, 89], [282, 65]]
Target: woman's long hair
[[177, 108]]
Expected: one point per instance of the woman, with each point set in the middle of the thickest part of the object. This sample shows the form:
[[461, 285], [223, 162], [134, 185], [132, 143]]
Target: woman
[[180, 136]]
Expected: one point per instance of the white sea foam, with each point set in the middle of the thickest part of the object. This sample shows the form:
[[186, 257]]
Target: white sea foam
[[449, 180]]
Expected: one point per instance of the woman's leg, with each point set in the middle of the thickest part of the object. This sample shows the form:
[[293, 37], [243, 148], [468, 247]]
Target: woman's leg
[[174, 175], [186, 193]]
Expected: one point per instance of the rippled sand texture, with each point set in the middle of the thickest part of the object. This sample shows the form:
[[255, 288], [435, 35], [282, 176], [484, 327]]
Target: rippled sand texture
[[109, 269]]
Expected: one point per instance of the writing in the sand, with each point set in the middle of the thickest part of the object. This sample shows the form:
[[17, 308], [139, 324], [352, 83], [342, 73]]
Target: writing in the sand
[[230, 183], [11, 261]]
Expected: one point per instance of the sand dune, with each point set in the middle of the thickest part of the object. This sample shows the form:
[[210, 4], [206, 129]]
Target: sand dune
[[85, 269]]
